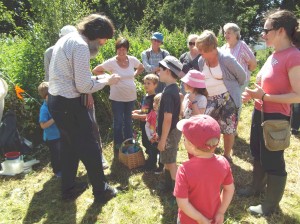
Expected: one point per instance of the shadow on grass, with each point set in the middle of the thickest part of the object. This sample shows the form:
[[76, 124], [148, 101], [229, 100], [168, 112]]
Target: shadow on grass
[[91, 214], [167, 200], [46, 205]]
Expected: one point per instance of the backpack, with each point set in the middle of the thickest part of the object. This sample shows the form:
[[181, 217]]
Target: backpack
[[10, 139], [163, 53]]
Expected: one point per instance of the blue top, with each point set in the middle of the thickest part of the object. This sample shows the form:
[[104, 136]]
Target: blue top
[[51, 132]]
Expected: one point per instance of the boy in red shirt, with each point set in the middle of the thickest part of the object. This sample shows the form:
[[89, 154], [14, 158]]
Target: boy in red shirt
[[198, 180]]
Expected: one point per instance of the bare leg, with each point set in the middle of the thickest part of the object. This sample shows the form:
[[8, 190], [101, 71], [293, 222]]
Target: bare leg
[[228, 144], [172, 167]]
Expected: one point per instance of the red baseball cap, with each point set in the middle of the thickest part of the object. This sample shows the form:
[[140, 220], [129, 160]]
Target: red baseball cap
[[199, 129]]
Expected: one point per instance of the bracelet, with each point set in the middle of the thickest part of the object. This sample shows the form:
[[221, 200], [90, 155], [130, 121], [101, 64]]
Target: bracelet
[[263, 96]]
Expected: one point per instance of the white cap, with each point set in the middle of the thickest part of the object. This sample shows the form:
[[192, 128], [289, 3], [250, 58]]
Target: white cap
[[67, 29]]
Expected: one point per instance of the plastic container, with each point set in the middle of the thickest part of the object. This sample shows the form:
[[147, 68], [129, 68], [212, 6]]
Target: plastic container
[[12, 155]]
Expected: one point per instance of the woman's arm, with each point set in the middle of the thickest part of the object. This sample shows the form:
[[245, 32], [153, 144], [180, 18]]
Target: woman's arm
[[98, 70], [252, 63], [139, 70]]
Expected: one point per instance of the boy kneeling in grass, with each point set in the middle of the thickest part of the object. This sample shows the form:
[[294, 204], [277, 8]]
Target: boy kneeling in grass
[[199, 180]]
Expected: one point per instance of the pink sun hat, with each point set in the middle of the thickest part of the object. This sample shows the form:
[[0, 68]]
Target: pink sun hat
[[194, 79]]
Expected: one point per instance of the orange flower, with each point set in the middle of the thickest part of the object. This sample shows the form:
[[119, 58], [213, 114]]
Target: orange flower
[[19, 90]]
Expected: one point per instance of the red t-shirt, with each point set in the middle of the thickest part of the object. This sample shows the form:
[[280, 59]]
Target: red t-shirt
[[274, 78], [199, 180]]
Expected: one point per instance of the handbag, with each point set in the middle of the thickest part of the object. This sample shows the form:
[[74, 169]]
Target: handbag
[[276, 133]]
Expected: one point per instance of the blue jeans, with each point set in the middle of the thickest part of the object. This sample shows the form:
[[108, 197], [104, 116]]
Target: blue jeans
[[122, 120]]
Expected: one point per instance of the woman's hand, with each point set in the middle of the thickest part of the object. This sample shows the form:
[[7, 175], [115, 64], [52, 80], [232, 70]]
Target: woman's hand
[[256, 93]]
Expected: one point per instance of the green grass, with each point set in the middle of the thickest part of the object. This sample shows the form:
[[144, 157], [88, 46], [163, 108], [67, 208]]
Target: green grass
[[35, 197]]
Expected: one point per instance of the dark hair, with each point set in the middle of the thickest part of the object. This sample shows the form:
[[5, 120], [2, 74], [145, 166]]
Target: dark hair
[[122, 42], [96, 26], [202, 91], [285, 19], [172, 73]]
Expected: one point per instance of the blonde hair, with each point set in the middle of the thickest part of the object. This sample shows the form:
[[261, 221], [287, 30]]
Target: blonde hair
[[235, 28], [212, 142], [43, 89], [151, 77], [207, 41]]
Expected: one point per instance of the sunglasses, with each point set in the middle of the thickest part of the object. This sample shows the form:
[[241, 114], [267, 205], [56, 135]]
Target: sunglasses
[[266, 31], [192, 43]]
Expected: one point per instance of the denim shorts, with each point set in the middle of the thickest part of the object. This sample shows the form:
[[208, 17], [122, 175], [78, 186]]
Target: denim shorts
[[223, 109], [170, 153]]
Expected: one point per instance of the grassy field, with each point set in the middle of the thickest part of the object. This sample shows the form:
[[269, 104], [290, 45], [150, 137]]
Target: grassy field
[[35, 197]]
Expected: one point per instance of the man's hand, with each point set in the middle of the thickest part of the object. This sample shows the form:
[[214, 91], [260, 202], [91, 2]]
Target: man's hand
[[90, 101], [113, 79]]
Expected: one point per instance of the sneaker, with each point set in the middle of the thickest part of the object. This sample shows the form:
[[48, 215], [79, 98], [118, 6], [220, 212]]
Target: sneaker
[[159, 170], [75, 191], [108, 194]]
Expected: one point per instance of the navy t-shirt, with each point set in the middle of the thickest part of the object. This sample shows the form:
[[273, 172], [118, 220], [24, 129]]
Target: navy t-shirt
[[169, 103], [146, 107]]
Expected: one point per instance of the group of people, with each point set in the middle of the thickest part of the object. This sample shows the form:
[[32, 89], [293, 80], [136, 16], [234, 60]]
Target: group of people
[[213, 84]]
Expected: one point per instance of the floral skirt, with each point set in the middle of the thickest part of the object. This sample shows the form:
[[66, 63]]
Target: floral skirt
[[223, 109]]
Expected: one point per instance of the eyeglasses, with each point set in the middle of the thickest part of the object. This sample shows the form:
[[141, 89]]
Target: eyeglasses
[[192, 43], [266, 31]]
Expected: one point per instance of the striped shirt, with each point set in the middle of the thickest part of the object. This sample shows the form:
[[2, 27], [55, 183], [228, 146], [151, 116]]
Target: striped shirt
[[69, 73], [151, 63], [243, 54]]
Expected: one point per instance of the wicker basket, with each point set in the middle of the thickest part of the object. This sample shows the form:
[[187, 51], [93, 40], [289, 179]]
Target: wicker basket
[[131, 160]]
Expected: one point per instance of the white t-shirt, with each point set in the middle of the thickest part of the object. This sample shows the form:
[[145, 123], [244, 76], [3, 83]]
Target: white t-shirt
[[187, 104], [214, 80], [125, 89]]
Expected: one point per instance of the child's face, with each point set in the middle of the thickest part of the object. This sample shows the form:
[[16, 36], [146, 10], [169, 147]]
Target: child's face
[[163, 74], [187, 88], [155, 105], [149, 86]]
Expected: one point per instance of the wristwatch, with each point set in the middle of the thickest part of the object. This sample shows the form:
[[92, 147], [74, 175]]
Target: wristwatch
[[195, 101]]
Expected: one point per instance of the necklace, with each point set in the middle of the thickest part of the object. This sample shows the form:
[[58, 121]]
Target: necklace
[[212, 73]]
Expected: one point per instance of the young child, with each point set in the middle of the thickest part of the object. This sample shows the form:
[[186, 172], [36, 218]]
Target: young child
[[199, 180], [150, 129], [195, 100], [51, 133], [168, 116], [150, 84]]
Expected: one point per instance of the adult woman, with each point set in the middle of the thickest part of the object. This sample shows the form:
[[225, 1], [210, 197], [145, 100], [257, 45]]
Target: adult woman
[[189, 59], [278, 85], [123, 94], [224, 77], [239, 49]]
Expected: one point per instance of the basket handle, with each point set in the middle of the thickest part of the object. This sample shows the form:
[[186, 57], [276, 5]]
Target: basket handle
[[123, 143]]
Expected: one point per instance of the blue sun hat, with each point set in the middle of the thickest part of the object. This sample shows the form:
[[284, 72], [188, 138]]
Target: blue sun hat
[[158, 36]]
